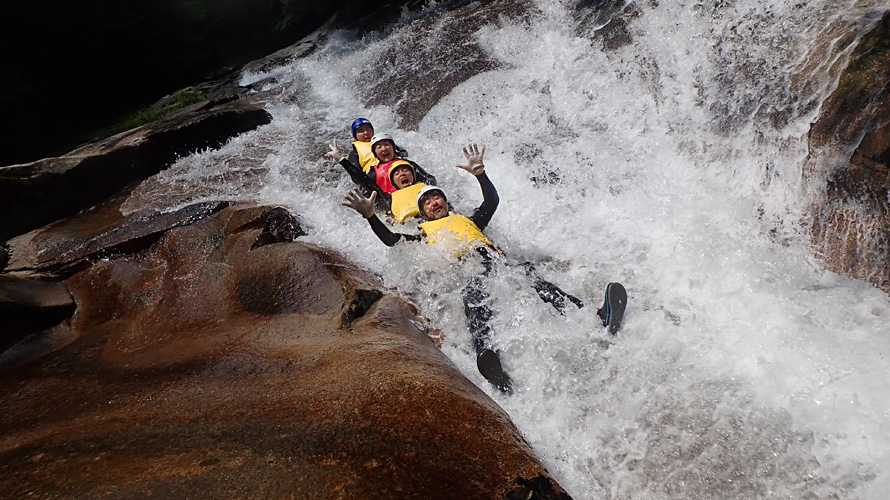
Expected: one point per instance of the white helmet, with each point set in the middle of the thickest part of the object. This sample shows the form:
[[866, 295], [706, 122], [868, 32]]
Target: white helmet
[[423, 191], [380, 137]]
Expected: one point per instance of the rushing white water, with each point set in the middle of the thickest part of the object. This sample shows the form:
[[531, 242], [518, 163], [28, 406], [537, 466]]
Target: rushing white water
[[744, 370]]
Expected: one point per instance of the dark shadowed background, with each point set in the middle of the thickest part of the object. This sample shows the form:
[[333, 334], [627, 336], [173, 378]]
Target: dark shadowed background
[[71, 70]]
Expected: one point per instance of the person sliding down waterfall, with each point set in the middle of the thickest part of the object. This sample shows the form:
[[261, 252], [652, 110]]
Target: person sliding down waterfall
[[404, 199], [465, 233], [384, 149]]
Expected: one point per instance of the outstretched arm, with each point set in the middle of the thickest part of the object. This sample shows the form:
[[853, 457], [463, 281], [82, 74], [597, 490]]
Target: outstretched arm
[[357, 176], [353, 159], [484, 212], [365, 206]]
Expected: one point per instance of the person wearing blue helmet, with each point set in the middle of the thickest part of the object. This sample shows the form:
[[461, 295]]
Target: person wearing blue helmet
[[361, 154]]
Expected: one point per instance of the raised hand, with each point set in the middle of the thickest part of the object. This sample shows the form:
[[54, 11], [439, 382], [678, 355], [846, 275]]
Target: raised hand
[[334, 153], [474, 156], [355, 200]]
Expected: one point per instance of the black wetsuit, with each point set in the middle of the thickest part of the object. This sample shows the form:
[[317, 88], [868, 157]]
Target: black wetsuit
[[474, 294]]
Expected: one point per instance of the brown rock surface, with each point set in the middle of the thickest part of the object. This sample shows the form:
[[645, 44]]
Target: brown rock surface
[[38, 193], [224, 361], [851, 139]]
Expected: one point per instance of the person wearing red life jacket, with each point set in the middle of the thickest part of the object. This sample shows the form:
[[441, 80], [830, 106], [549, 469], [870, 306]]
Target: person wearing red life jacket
[[463, 234], [360, 155], [384, 149]]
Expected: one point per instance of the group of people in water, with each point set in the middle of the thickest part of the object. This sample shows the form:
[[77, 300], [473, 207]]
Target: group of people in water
[[389, 182]]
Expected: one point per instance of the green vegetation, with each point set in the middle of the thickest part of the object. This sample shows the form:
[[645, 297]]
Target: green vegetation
[[176, 101]]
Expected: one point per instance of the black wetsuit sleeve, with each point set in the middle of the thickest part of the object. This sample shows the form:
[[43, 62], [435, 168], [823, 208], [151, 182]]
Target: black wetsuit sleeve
[[354, 159], [422, 175], [356, 174], [400, 151], [384, 199], [482, 215], [388, 237]]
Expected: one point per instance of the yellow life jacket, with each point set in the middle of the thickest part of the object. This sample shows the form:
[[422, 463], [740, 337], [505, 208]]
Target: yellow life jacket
[[456, 229], [404, 202], [366, 157]]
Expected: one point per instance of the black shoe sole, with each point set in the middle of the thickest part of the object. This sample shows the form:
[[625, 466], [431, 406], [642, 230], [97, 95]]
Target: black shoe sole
[[489, 365], [617, 298]]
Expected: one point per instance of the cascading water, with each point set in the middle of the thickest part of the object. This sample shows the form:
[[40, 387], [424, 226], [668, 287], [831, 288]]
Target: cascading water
[[669, 158]]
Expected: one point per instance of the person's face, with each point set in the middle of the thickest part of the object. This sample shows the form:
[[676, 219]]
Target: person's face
[[364, 132], [434, 206], [384, 150], [402, 177]]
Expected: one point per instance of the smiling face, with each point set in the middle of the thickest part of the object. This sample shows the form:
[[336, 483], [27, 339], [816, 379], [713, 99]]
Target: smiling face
[[384, 150], [364, 132], [402, 176], [434, 205]]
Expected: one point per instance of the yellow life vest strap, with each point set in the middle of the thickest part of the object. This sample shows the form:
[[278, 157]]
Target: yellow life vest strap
[[366, 157], [456, 228], [404, 202]]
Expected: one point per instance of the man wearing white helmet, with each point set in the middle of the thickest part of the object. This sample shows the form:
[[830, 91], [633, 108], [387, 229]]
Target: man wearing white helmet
[[464, 233]]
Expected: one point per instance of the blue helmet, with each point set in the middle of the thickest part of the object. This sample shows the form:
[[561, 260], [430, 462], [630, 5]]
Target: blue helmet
[[360, 121]]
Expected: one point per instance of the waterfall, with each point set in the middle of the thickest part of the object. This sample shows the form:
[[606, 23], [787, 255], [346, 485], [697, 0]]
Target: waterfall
[[659, 144]]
